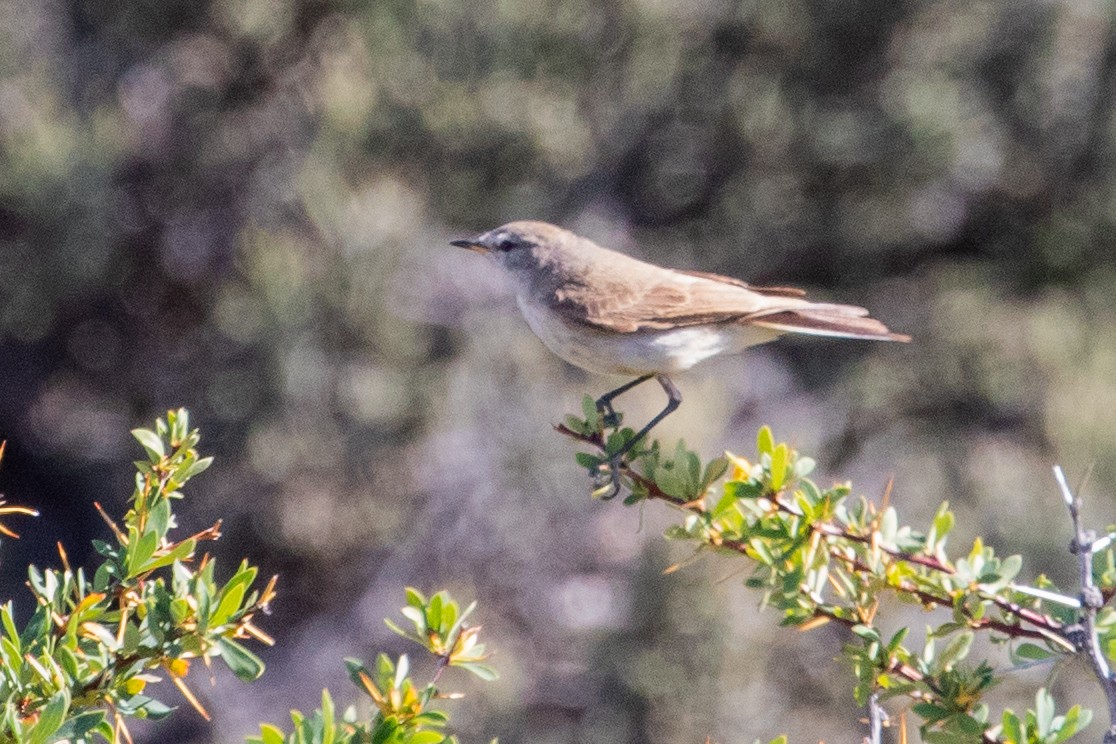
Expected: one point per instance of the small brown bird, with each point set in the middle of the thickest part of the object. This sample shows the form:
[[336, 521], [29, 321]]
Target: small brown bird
[[607, 312]]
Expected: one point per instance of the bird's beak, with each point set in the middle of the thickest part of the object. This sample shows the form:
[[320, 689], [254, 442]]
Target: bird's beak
[[472, 244]]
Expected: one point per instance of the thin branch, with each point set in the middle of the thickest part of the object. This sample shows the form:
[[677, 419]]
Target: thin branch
[[1048, 628], [1088, 640], [1016, 617], [445, 659], [877, 717], [1047, 595]]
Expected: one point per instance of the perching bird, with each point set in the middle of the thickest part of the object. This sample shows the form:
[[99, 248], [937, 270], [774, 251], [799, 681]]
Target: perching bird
[[610, 313]]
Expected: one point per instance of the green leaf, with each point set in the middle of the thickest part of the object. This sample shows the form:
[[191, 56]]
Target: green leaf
[[271, 735], [942, 525], [466, 612], [1014, 730], [434, 612], [180, 552], [743, 489], [159, 517], [449, 617], [394, 628], [402, 669], [1032, 652], [329, 725], [713, 471], [416, 616], [588, 461], [50, 718], [242, 662], [231, 598], [803, 466], [1044, 712], [1009, 569], [196, 469], [1077, 719], [143, 706], [956, 650], [897, 639], [151, 442], [485, 672], [866, 632], [930, 712], [670, 481], [9, 623], [232, 594], [104, 635], [889, 526], [765, 442], [140, 551], [589, 408], [80, 726], [355, 667], [779, 459]]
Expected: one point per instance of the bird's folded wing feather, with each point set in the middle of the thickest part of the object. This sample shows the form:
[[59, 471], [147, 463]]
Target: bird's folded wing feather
[[667, 300], [767, 291], [678, 299]]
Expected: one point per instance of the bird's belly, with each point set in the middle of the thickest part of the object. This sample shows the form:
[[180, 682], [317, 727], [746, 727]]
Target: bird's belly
[[641, 352]]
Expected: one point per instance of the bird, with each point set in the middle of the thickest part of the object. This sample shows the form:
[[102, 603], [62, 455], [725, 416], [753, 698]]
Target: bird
[[609, 313]]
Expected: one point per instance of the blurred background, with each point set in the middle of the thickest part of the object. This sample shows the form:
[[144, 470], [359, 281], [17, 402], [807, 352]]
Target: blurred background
[[243, 207]]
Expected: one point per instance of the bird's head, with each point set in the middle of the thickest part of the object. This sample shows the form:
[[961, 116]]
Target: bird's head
[[524, 249]]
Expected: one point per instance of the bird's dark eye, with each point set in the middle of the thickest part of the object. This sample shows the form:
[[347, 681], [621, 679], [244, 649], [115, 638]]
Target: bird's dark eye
[[506, 244]]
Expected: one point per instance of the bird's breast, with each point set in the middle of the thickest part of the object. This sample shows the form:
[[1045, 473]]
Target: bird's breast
[[640, 352]]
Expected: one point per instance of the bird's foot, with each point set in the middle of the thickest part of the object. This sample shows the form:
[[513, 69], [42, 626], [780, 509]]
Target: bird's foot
[[610, 419], [606, 479]]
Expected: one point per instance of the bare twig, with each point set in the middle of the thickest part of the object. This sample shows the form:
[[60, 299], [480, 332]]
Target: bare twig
[[877, 717], [1087, 639], [445, 659]]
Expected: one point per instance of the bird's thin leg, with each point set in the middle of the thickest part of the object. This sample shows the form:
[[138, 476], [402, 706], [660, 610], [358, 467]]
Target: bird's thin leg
[[674, 399], [604, 403]]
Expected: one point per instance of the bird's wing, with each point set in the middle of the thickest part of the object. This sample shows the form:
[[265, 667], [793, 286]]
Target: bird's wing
[[676, 299], [767, 291], [664, 300]]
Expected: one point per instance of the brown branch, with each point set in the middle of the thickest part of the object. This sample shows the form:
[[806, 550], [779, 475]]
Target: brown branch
[[1046, 624]]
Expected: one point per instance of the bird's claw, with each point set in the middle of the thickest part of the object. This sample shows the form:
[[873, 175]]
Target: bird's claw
[[606, 479], [610, 419]]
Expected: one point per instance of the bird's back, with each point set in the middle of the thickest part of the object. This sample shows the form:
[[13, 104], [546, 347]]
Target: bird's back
[[585, 283]]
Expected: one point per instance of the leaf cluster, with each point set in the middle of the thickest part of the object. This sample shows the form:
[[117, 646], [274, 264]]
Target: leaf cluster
[[403, 711], [81, 665], [820, 555]]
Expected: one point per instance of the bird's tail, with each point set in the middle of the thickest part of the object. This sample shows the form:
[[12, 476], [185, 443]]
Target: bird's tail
[[824, 319]]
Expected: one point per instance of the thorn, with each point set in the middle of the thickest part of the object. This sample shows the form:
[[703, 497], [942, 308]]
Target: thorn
[[1063, 486], [122, 728], [258, 634], [120, 536], [193, 701], [815, 622], [62, 555]]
